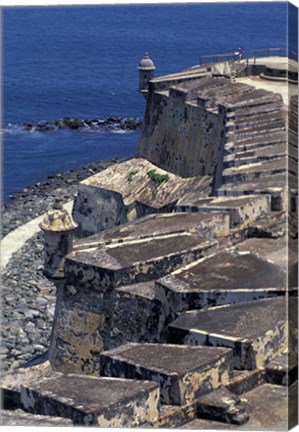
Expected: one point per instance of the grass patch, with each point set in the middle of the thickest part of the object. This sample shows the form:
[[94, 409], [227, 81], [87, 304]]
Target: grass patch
[[157, 179]]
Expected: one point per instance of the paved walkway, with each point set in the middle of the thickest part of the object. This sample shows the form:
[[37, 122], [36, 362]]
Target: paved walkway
[[17, 238]]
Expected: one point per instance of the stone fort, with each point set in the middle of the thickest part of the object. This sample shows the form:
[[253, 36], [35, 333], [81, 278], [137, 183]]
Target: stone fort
[[176, 273]]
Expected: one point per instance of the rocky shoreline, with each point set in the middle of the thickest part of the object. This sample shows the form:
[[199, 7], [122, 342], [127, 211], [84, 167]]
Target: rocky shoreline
[[115, 122], [28, 298], [35, 200]]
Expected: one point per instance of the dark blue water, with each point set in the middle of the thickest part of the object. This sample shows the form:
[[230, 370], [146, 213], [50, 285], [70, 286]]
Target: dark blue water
[[81, 62]]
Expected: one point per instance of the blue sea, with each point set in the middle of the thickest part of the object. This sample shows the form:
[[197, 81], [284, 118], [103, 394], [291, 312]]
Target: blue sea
[[81, 62]]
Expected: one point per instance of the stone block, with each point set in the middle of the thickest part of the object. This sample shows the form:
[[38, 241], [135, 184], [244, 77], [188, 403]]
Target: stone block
[[138, 316], [12, 381], [134, 261], [223, 278], [84, 323], [173, 416], [182, 372], [87, 400], [159, 225], [126, 191], [283, 370], [242, 210], [256, 330], [269, 407], [222, 405], [246, 380]]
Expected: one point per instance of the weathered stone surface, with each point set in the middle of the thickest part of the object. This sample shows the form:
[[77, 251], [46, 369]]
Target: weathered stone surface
[[246, 380], [158, 225], [223, 278], [257, 330], [222, 405], [276, 415], [21, 418], [274, 186], [11, 383], [85, 321], [173, 416], [106, 402], [283, 370], [138, 316], [267, 407], [274, 250], [128, 191], [134, 261], [179, 135], [183, 372], [241, 210]]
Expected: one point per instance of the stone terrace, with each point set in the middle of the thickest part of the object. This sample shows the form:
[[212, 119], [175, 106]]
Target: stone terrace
[[178, 317]]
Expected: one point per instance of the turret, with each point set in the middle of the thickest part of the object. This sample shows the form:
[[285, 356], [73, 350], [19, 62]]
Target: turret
[[58, 226], [146, 73]]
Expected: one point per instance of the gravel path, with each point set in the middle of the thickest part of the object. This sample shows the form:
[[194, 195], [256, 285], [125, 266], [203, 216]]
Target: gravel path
[[27, 297]]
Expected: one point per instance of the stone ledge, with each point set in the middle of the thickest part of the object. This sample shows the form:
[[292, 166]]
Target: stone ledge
[[87, 400], [256, 330], [183, 372]]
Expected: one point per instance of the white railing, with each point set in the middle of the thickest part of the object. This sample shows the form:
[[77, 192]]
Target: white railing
[[253, 54]]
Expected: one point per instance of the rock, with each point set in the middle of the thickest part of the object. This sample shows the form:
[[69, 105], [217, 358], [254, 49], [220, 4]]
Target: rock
[[73, 123]]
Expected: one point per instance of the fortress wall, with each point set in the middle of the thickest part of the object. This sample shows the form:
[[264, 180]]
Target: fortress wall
[[180, 136]]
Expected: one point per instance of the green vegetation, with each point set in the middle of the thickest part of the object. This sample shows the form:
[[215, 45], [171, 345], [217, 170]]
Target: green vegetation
[[131, 175], [157, 179]]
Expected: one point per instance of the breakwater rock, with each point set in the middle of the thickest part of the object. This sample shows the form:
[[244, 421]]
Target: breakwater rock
[[122, 123], [28, 304]]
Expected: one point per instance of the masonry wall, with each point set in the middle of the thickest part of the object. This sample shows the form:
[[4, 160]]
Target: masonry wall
[[180, 135]]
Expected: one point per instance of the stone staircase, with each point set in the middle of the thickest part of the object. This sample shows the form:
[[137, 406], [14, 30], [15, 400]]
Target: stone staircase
[[256, 157], [179, 319], [163, 335]]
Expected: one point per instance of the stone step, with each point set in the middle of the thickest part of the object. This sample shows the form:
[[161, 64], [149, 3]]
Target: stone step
[[273, 186], [267, 407], [94, 401], [255, 130], [173, 416], [261, 120], [87, 321], [245, 158], [268, 151], [251, 99], [235, 162], [214, 99], [183, 373], [247, 112], [256, 142], [222, 405], [141, 260], [283, 370], [222, 278], [241, 210], [158, 225], [256, 331], [245, 380], [258, 170]]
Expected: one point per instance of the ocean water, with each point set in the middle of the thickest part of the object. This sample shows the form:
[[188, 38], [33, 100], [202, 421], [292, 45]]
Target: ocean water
[[82, 62]]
